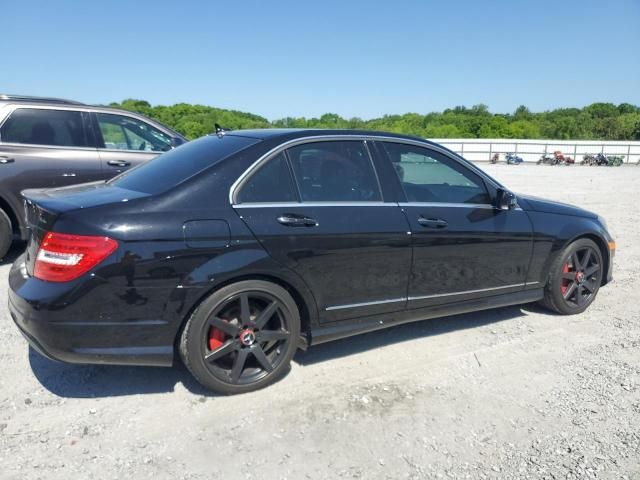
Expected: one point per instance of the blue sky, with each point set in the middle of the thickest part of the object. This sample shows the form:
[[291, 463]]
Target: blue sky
[[354, 58]]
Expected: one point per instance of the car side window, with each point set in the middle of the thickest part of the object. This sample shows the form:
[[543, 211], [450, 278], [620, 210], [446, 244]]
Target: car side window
[[334, 171], [120, 132], [429, 176], [272, 183], [39, 126]]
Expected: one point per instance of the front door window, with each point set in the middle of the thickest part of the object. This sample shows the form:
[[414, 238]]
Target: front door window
[[120, 132]]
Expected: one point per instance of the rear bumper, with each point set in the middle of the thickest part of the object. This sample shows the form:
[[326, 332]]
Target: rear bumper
[[42, 320]]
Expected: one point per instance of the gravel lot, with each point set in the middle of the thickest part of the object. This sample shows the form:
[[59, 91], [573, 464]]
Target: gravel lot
[[510, 393]]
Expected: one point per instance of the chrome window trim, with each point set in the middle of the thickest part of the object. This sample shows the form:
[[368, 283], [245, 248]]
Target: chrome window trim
[[465, 292], [359, 137], [313, 204], [366, 304], [53, 147], [446, 204], [117, 150], [487, 206]]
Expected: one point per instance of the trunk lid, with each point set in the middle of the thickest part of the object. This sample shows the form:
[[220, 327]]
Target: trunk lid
[[42, 207]]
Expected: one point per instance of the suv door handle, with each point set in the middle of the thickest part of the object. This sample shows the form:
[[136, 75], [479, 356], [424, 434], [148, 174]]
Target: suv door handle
[[5, 160], [432, 222], [291, 220], [118, 163]]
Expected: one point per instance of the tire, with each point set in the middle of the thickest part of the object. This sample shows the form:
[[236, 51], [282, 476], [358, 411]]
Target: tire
[[242, 337], [6, 233], [574, 278]]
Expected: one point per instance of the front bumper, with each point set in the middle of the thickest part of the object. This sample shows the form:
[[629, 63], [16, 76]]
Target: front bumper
[[43, 314]]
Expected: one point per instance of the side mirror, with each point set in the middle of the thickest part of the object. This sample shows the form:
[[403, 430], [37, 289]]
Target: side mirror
[[176, 142], [506, 200]]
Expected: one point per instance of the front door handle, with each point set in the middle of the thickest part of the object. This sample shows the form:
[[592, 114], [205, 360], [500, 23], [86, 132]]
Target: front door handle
[[5, 160], [118, 163], [432, 222], [291, 220]]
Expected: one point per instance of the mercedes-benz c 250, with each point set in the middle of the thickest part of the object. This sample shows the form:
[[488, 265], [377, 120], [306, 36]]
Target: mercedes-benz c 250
[[234, 250]]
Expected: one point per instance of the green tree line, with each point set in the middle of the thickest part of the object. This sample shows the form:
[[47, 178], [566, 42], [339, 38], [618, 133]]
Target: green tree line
[[598, 121]]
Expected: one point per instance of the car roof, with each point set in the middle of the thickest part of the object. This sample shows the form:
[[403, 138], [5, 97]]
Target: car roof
[[10, 98], [294, 133]]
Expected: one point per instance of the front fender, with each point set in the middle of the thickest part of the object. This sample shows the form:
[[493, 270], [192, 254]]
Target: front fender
[[553, 232]]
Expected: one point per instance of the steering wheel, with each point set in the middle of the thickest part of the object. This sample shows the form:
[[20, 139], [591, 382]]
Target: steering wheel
[[142, 146]]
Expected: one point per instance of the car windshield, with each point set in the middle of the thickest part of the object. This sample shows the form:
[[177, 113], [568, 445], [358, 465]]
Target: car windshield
[[176, 166]]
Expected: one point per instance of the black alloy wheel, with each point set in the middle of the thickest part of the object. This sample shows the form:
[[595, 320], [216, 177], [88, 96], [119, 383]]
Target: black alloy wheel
[[242, 337], [575, 278], [581, 275]]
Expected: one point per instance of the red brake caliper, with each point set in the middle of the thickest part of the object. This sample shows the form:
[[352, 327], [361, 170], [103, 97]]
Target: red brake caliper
[[565, 283], [216, 338]]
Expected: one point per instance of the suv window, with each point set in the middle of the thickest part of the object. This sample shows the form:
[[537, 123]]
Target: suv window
[[38, 126], [334, 171], [429, 176], [120, 132], [271, 183], [174, 167]]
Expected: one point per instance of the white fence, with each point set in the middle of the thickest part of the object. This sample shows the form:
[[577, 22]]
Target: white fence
[[481, 150]]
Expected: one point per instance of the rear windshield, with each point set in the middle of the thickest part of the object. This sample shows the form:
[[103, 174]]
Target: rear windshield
[[171, 168]]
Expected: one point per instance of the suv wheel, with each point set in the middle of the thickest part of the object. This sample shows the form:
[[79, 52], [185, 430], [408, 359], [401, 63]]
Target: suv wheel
[[6, 233], [242, 337]]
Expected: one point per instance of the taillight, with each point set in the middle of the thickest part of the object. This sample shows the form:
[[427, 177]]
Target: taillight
[[63, 257]]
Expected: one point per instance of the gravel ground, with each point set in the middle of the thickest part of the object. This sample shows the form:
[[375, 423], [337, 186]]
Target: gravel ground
[[511, 393]]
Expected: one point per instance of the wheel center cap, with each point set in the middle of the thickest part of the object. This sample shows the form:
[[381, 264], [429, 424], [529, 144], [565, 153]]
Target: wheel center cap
[[580, 277], [247, 337]]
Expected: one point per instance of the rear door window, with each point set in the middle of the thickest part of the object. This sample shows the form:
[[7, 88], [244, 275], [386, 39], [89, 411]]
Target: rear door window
[[271, 183], [334, 171], [36, 126]]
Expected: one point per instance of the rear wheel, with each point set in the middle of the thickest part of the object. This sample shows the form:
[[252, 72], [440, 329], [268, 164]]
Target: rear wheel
[[242, 337], [6, 233], [574, 278]]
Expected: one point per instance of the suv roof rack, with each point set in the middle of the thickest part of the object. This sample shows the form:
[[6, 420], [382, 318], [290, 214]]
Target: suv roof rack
[[27, 98]]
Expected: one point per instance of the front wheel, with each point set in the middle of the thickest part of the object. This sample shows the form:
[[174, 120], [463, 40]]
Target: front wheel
[[574, 278], [242, 337]]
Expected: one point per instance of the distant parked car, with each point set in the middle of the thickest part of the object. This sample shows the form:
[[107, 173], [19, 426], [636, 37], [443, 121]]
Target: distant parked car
[[49, 142]]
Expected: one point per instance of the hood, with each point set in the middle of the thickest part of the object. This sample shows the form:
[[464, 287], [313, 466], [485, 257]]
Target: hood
[[537, 204]]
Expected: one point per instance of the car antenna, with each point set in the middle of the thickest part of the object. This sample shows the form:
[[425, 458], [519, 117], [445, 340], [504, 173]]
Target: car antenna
[[219, 130]]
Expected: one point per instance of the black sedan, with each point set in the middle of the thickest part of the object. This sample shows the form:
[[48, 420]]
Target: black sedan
[[239, 248]]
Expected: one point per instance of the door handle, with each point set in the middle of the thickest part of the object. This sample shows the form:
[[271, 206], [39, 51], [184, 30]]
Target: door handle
[[432, 222], [118, 163], [290, 220], [5, 160]]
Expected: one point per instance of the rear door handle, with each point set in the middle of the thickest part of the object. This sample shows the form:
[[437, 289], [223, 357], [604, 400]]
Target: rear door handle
[[432, 222], [290, 220], [118, 163], [5, 160]]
